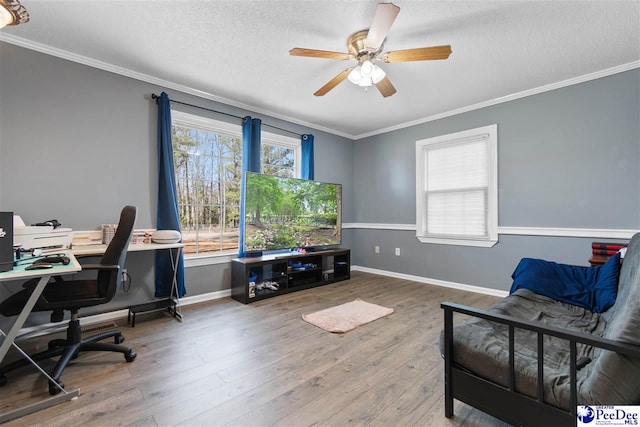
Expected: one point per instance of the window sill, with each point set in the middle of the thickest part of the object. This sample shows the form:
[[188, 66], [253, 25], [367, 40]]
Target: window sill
[[458, 242], [202, 260]]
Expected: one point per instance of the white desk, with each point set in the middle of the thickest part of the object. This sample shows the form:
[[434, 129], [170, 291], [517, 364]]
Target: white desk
[[161, 304], [19, 273]]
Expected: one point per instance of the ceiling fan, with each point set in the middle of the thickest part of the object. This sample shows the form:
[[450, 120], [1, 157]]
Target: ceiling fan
[[366, 46]]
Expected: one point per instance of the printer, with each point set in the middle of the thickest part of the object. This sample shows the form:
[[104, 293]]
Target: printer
[[30, 237]]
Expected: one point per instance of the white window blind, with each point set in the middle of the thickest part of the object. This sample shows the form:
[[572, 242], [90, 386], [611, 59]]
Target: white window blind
[[456, 188]]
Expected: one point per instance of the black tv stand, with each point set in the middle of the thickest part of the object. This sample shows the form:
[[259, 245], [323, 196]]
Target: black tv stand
[[253, 279]]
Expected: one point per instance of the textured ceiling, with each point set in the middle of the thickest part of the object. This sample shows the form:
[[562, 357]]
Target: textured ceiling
[[237, 51]]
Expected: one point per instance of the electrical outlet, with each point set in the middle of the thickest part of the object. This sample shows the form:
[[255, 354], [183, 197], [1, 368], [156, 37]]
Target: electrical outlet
[[377, 249], [397, 251]]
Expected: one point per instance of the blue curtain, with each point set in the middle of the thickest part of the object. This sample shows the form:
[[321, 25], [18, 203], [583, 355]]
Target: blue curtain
[[250, 163], [168, 216], [307, 156]]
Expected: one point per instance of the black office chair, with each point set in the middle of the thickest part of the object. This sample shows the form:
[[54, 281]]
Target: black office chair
[[72, 295]]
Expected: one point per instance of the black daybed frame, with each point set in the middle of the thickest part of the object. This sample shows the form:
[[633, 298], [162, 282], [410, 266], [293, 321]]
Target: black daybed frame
[[506, 403]]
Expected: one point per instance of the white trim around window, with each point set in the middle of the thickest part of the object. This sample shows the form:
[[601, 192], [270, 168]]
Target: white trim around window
[[234, 129], [480, 188], [205, 123]]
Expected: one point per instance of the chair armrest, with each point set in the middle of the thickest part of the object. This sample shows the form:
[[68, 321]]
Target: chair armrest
[[83, 256], [100, 267], [619, 347]]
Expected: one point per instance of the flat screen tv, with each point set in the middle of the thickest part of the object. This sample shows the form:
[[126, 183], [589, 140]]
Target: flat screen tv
[[288, 213]]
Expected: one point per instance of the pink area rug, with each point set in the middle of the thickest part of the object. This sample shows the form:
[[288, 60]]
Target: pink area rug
[[345, 317]]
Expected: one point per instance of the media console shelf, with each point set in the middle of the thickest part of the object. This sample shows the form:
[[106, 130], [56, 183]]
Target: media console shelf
[[253, 279]]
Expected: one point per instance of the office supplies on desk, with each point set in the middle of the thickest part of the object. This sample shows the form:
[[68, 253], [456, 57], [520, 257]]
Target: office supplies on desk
[[166, 236], [38, 266], [53, 259], [49, 223], [108, 231], [37, 236], [37, 256]]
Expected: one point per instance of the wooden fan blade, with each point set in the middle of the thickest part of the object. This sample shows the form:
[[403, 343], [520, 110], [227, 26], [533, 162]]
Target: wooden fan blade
[[314, 53], [418, 54], [383, 19], [385, 87], [333, 82]]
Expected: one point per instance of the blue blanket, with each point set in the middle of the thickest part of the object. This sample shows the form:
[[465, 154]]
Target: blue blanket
[[594, 288]]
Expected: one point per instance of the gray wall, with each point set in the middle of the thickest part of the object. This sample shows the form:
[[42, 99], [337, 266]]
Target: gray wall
[[567, 158], [78, 143]]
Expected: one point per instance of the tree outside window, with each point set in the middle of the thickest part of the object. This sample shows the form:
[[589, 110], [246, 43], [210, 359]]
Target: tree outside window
[[208, 166]]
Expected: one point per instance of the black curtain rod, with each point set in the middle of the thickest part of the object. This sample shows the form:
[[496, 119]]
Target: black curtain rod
[[156, 97]]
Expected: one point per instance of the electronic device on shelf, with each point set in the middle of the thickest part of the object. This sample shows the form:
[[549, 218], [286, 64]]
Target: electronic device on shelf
[[274, 286], [301, 267]]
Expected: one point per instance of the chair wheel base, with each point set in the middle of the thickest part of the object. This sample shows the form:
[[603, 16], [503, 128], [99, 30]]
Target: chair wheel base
[[118, 339], [130, 356]]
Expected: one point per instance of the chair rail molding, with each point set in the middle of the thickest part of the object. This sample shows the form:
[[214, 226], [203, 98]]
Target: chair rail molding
[[600, 233]]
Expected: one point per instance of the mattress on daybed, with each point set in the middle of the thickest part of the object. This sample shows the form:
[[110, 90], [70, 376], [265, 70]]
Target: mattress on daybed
[[482, 347], [609, 379]]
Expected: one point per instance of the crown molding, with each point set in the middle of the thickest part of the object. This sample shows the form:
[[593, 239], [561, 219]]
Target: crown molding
[[535, 91], [80, 59], [49, 50]]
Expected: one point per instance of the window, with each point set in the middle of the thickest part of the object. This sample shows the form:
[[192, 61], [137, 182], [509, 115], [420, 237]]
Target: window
[[207, 158], [280, 155], [457, 188]]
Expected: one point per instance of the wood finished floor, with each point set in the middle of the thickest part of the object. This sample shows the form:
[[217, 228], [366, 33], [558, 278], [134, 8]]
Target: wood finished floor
[[261, 364]]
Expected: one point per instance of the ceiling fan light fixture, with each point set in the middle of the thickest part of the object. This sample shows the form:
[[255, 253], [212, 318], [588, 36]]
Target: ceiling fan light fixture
[[367, 68], [366, 74], [377, 74], [355, 76], [12, 12]]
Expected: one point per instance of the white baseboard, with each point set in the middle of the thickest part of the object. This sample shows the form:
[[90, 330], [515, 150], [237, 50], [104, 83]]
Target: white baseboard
[[205, 297], [436, 282], [49, 328]]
